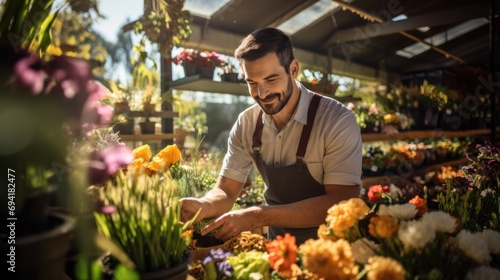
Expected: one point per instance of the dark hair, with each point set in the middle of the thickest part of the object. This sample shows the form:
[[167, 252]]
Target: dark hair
[[263, 41]]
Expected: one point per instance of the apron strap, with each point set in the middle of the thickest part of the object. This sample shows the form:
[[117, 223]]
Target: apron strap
[[306, 130], [257, 134]]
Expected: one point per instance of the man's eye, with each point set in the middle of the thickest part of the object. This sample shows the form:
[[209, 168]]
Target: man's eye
[[272, 80]]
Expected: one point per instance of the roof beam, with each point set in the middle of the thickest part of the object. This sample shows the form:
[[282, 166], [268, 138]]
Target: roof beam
[[375, 18], [455, 15]]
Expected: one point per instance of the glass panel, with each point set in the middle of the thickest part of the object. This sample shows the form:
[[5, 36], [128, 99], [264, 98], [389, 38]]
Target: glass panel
[[204, 8], [307, 16]]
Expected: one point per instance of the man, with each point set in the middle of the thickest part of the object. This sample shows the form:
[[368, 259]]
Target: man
[[306, 147]]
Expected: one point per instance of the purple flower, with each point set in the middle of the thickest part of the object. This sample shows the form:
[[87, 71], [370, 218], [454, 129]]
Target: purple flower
[[107, 162], [70, 75], [216, 266], [29, 73]]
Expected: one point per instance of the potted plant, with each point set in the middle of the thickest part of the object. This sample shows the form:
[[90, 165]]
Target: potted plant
[[48, 106], [199, 63], [191, 119], [230, 72]]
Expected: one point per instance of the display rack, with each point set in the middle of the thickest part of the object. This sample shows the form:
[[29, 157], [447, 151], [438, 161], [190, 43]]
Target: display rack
[[423, 134], [149, 137]]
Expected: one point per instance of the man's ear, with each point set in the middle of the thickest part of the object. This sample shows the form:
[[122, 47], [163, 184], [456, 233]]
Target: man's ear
[[294, 68]]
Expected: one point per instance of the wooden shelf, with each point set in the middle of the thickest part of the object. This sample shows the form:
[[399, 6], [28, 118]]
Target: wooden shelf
[[146, 137], [390, 177], [159, 114], [196, 83], [421, 134]]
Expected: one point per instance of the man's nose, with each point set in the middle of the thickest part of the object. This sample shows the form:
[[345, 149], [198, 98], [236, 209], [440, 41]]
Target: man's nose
[[261, 91]]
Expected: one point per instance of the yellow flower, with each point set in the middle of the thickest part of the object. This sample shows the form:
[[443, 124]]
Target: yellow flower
[[137, 166], [342, 217], [165, 158], [329, 259], [143, 152], [384, 268], [383, 226]]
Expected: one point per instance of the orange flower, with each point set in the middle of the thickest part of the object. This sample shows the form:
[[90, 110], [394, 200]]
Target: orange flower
[[165, 158], [143, 152], [420, 204], [383, 226], [282, 253]]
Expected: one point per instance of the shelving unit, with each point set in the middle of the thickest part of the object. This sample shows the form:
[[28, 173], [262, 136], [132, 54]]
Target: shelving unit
[[388, 178], [196, 83], [371, 137], [150, 137]]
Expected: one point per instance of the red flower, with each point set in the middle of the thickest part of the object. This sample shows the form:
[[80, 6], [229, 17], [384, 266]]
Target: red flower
[[375, 193], [282, 253]]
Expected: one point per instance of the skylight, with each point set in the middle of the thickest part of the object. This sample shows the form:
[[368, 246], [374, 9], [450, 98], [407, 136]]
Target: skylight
[[442, 37], [307, 16], [204, 8]]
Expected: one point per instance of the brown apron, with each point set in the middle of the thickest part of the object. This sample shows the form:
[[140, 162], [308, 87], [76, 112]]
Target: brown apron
[[288, 184]]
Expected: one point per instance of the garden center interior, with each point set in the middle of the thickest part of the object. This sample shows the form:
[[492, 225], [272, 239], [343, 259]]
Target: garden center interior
[[99, 193]]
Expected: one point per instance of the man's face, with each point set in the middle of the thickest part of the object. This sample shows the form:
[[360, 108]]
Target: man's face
[[269, 84]]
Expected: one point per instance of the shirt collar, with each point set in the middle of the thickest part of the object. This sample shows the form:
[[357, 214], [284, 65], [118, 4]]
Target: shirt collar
[[303, 106]]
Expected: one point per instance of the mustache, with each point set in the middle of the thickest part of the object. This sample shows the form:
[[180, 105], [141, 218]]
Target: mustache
[[270, 96]]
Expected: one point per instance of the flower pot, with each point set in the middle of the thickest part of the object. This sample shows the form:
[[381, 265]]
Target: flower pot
[[178, 272], [33, 217], [42, 255], [147, 127], [126, 127], [229, 77], [204, 71], [180, 136]]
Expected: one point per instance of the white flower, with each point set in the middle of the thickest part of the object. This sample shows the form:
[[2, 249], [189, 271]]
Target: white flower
[[416, 234], [256, 276], [395, 192], [488, 191], [473, 246], [363, 249], [492, 240], [483, 273], [400, 212], [441, 221]]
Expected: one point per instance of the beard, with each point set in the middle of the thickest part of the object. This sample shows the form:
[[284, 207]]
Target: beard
[[272, 109]]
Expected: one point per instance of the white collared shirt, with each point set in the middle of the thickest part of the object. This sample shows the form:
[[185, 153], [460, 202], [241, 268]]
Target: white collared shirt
[[333, 154]]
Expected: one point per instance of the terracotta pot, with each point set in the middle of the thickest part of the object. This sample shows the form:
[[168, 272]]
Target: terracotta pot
[[147, 127], [125, 128]]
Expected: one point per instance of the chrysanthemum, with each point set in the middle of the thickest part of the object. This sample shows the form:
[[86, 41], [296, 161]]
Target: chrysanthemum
[[329, 259], [399, 211], [473, 246], [416, 234], [483, 273], [282, 252], [492, 239], [383, 226], [363, 249], [384, 268], [441, 221], [344, 216]]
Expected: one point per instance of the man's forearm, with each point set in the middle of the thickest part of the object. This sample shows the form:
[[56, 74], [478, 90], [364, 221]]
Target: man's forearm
[[222, 197], [305, 213]]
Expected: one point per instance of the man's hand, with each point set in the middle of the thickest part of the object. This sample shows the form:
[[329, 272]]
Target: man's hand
[[189, 208], [234, 222]]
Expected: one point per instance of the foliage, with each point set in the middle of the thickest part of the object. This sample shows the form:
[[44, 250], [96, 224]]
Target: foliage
[[73, 36], [25, 25], [365, 114], [141, 214], [165, 23], [191, 116], [473, 198]]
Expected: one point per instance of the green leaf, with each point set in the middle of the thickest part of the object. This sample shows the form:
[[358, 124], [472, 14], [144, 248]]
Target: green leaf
[[46, 36], [125, 273], [83, 267]]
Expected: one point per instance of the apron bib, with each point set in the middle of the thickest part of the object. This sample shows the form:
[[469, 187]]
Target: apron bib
[[292, 183]]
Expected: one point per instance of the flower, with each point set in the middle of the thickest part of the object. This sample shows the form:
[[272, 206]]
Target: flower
[[205, 58], [282, 253], [420, 205], [441, 221], [216, 266], [399, 211], [383, 226], [384, 268], [162, 161], [416, 234], [474, 246], [363, 249], [329, 259]]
